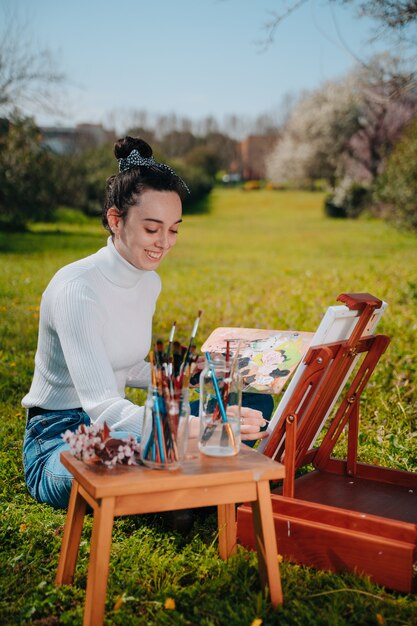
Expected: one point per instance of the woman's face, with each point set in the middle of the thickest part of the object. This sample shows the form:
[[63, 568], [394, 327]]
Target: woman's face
[[150, 230]]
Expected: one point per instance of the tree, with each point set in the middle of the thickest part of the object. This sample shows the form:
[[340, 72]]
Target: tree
[[214, 152], [386, 106], [395, 22], [394, 16], [226, 148], [27, 75], [205, 158], [81, 177], [397, 187], [27, 176], [347, 128], [177, 143], [315, 136]]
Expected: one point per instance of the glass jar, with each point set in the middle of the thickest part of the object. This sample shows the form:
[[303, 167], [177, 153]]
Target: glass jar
[[220, 406], [165, 429]]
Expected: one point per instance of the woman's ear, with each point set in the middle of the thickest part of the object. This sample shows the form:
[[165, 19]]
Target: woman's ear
[[113, 219]]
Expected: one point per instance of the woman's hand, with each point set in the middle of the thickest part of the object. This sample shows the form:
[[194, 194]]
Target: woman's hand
[[251, 422]]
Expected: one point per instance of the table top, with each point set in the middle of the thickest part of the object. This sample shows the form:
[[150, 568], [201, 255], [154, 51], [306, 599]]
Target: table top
[[196, 471]]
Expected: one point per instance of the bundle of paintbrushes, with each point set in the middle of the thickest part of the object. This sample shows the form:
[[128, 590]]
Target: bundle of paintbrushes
[[165, 428], [220, 402]]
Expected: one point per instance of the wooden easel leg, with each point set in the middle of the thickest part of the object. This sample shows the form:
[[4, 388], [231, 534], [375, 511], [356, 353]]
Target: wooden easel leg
[[71, 539], [289, 457], [353, 439], [266, 543], [226, 515], [98, 567]]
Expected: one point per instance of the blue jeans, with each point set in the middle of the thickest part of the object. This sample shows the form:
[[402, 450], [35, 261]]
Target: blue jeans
[[259, 401], [46, 478]]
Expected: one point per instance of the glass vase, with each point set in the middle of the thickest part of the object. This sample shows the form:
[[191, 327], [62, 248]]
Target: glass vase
[[220, 407], [165, 429]]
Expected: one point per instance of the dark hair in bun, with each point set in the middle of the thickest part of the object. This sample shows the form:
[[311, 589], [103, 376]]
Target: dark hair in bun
[[138, 172], [123, 147]]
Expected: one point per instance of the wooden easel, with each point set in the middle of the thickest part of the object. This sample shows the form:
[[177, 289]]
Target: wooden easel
[[343, 515]]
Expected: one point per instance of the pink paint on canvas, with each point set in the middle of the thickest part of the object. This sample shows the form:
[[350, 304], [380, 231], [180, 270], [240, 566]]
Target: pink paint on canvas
[[266, 358]]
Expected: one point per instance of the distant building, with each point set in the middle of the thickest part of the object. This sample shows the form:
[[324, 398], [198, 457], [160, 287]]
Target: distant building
[[254, 150], [72, 140]]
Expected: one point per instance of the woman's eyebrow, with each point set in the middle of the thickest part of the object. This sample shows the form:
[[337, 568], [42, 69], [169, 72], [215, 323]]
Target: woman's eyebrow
[[152, 219]]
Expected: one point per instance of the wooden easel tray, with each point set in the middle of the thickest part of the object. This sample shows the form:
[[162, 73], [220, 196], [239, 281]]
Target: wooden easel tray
[[341, 524]]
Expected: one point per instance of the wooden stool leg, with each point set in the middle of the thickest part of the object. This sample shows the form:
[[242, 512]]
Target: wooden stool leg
[[71, 538], [226, 515], [98, 567], [266, 543]]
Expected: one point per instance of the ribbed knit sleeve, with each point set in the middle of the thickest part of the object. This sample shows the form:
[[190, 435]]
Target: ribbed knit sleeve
[[79, 324], [139, 376]]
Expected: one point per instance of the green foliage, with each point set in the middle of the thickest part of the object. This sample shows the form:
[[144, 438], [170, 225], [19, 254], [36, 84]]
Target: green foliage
[[177, 143], [204, 158], [397, 187], [67, 215], [70, 181], [81, 178], [270, 261], [199, 182], [33, 181], [27, 181], [98, 164]]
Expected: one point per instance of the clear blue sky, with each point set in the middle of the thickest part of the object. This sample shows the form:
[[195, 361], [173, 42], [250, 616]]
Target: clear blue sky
[[191, 57]]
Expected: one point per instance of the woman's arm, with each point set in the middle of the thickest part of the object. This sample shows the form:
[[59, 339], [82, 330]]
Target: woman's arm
[[79, 324], [139, 376]]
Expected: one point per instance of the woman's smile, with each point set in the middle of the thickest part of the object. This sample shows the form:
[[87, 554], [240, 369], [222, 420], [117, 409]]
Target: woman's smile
[[154, 255]]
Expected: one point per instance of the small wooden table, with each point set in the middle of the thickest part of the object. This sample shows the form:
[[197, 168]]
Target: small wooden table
[[201, 481]]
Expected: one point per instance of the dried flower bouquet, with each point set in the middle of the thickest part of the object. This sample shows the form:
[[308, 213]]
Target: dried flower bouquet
[[97, 444]]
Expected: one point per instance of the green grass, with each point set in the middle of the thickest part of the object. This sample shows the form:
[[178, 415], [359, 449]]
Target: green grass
[[265, 259]]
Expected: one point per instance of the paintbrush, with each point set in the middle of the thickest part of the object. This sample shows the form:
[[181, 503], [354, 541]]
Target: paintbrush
[[171, 339], [153, 370], [193, 334]]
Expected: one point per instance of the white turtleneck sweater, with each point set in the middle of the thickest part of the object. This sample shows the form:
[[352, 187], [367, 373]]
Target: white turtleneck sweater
[[95, 331]]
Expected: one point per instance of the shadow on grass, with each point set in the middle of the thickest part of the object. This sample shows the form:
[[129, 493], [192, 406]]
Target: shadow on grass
[[30, 242], [74, 235]]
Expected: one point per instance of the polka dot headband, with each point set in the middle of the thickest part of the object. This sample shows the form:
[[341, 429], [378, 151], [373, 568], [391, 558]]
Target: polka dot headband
[[134, 159]]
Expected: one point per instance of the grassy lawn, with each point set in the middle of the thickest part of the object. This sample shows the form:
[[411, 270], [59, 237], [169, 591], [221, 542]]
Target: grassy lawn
[[258, 259]]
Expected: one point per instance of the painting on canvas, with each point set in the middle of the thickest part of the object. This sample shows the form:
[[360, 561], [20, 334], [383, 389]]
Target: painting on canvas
[[266, 358]]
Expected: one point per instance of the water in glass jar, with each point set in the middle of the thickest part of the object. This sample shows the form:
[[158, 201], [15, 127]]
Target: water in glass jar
[[218, 438]]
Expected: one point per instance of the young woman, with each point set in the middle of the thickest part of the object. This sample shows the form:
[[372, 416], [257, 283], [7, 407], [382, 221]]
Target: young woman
[[95, 327]]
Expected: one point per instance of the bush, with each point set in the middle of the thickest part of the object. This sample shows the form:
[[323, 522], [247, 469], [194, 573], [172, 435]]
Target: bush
[[27, 176], [332, 210], [397, 186], [199, 182], [348, 200]]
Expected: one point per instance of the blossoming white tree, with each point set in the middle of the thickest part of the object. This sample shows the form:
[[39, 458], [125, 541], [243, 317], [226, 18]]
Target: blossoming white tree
[[316, 134], [346, 128]]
